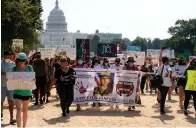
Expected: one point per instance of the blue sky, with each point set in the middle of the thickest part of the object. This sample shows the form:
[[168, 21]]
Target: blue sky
[[132, 18]]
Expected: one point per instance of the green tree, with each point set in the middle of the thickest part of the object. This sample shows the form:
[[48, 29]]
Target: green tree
[[183, 35], [21, 19], [142, 42]]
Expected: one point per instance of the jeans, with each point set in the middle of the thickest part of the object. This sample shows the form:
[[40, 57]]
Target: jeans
[[66, 98], [163, 91], [188, 97]]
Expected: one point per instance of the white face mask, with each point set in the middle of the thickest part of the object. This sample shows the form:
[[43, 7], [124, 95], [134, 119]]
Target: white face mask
[[7, 60], [106, 63], [80, 62], [170, 63], [101, 62], [131, 64]]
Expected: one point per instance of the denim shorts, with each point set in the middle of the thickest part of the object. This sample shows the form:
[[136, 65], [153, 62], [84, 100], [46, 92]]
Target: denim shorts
[[6, 93]]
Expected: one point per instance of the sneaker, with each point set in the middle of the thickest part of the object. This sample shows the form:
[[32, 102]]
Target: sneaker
[[185, 112], [1, 116], [133, 107], [169, 97], [35, 104], [162, 112], [64, 115], [68, 111], [12, 121], [129, 108]]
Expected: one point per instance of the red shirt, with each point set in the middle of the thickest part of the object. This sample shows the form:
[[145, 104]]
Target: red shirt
[[77, 66], [134, 68]]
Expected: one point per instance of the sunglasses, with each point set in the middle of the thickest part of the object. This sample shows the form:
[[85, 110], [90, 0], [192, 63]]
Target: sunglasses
[[64, 60]]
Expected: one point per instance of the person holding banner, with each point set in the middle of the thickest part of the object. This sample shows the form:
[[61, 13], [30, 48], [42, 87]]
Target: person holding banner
[[80, 64], [190, 87], [132, 67], [65, 78], [118, 67], [22, 96], [96, 65], [6, 66]]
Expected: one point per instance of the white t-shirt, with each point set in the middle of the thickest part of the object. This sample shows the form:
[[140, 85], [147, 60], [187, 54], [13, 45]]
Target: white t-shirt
[[116, 67], [166, 79]]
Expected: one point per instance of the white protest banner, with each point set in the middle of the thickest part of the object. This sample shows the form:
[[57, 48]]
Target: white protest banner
[[178, 70], [71, 53], [154, 54], [17, 43], [106, 86], [47, 52], [192, 57], [20, 80], [139, 57]]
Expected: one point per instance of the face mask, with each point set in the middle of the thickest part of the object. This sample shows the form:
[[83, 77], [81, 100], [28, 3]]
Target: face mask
[[101, 62], [106, 63], [170, 63], [7, 60], [80, 61], [131, 64]]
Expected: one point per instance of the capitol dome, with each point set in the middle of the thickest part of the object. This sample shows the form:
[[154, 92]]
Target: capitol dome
[[56, 20]]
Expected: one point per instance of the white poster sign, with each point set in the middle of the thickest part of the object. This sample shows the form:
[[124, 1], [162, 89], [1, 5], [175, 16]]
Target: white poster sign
[[21, 80], [47, 52], [178, 71], [155, 54], [71, 53], [192, 57], [139, 57], [17, 43]]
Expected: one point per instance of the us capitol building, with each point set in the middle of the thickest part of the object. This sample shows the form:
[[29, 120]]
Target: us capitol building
[[56, 34]]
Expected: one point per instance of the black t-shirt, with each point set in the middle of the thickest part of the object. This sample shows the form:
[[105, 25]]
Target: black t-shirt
[[65, 80], [39, 67], [57, 66]]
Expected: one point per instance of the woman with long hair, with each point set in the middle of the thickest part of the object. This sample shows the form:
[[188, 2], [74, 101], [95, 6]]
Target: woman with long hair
[[22, 96]]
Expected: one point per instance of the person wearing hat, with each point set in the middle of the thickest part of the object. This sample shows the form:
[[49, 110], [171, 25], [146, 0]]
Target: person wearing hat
[[80, 64], [104, 88], [6, 66], [22, 96], [65, 78], [132, 67]]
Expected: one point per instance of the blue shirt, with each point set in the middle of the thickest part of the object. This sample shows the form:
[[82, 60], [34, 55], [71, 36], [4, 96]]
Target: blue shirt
[[5, 67]]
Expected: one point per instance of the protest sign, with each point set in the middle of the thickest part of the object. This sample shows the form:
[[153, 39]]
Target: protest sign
[[178, 70], [139, 57], [191, 83], [106, 86], [20, 80], [71, 53], [155, 54], [47, 52], [192, 57], [17, 45], [107, 50], [83, 48]]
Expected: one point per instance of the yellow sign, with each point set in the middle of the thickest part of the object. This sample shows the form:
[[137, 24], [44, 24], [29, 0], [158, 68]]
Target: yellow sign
[[191, 83]]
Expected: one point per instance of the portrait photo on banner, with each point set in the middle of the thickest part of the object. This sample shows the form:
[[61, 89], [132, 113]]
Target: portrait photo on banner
[[105, 82]]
